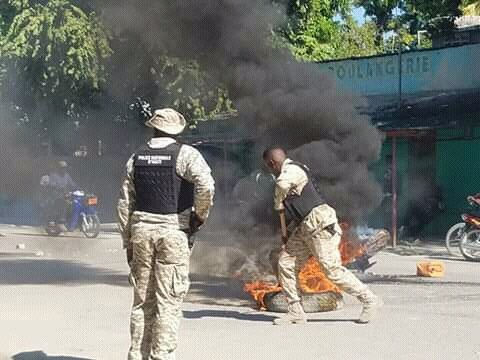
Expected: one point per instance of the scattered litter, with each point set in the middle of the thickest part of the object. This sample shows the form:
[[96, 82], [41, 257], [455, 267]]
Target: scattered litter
[[430, 269], [21, 246]]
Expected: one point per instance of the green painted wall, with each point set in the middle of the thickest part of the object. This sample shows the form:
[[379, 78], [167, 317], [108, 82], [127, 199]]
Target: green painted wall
[[457, 173], [458, 164]]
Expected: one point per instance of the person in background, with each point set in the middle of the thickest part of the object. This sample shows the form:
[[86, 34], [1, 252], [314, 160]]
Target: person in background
[[54, 187]]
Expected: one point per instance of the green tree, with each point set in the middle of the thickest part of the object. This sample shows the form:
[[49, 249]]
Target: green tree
[[413, 15], [471, 7], [353, 40], [163, 80], [382, 13], [190, 90], [55, 52], [431, 15], [311, 27]]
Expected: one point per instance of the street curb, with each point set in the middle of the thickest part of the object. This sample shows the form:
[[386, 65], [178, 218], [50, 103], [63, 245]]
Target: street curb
[[108, 227]]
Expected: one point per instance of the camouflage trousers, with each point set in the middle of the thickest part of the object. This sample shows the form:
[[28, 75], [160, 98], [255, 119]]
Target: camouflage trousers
[[159, 273], [318, 235]]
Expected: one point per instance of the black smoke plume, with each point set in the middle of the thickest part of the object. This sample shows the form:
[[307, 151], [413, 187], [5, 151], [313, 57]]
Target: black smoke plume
[[279, 99]]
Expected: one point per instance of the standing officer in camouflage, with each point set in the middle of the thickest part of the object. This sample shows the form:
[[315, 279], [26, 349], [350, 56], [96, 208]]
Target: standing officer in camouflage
[[316, 233], [166, 195]]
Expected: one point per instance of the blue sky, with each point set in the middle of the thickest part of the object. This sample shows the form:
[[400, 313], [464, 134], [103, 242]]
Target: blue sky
[[359, 15]]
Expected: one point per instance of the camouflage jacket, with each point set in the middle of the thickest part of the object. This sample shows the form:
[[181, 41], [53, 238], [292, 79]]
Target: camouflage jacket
[[291, 180], [190, 166]]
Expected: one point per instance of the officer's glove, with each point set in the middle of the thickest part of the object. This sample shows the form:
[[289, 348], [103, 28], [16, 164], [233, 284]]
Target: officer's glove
[[195, 223], [194, 226]]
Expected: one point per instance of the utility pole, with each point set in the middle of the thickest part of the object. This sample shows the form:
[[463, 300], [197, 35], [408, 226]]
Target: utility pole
[[394, 192], [400, 45], [394, 150]]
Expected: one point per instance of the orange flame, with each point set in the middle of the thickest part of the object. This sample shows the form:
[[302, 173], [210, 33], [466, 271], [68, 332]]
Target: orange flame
[[258, 290], [350, 248], [311, 278]]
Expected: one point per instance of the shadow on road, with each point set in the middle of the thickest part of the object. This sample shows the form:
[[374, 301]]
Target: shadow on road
[[44, 272], [40, 355], [417, 251], [216, 290], [448, 258], [25, 271], [411, 280], [227, 315]]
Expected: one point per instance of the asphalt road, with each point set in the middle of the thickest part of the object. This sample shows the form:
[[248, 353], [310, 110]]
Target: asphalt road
[[68, 298]]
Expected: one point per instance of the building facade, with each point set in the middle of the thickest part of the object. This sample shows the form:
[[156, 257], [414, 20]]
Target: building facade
[[428, 103]]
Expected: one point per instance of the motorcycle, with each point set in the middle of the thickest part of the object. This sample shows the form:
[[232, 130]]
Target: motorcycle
[[457, 231], [82, 215], [470, 241]]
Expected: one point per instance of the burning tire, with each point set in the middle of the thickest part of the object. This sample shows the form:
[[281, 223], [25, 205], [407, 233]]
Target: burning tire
[[312, 303], [377, 242]]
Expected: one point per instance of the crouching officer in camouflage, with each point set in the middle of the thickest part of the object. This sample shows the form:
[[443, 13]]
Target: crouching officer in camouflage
[[166, 195], [316, 233]]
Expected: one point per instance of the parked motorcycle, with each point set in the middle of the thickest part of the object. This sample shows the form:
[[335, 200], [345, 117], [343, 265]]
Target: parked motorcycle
[[457, 231], [82, 215], [470, 241]]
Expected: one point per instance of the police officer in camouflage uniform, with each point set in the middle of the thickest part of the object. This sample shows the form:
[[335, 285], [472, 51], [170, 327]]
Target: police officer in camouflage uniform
[[166, 195], [316, 232]]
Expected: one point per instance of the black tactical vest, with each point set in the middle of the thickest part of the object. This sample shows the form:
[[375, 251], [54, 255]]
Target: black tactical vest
[[158, 188], [299, 206]]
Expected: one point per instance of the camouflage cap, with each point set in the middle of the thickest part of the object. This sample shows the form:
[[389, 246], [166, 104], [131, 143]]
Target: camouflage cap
[[167, 120]]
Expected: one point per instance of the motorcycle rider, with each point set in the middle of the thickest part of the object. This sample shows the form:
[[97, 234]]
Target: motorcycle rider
[[58, 183]]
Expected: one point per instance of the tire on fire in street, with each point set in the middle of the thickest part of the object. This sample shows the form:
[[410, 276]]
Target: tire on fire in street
[[312, 303]]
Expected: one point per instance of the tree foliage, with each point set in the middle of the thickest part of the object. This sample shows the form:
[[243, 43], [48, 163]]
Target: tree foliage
[[189, 89], [325, 29], [382, 13], [311, 27], [353, 40], [431, 15], [57, 56], [471, 7], [138, 68], [407, 17], [54, 51]]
